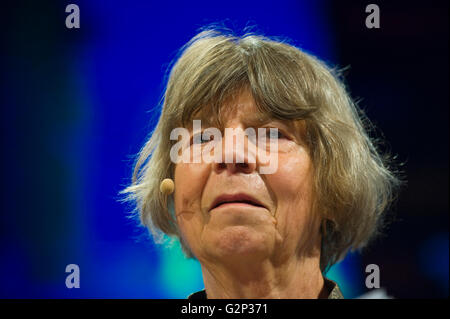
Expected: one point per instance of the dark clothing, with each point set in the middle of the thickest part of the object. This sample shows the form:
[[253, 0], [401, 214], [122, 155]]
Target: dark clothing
[[331, 286]]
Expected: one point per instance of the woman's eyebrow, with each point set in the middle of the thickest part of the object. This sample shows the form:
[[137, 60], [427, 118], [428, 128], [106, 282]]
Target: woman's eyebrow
[[257, 119], [250, 120]]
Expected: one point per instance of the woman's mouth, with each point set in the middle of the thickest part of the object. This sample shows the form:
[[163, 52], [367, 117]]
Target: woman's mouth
[[239, 199]]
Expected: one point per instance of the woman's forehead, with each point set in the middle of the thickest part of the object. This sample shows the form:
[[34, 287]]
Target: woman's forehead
[[256, 118], [225, 116], [241, 106]]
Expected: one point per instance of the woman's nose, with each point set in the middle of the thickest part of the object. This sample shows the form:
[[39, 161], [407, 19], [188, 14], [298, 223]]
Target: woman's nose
[[237, 157]]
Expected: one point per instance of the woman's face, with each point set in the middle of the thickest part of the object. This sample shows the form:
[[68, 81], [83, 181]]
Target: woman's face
[[281, 227]]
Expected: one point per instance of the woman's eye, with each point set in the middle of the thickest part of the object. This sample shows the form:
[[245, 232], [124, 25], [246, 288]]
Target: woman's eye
[[198, 139], [273, 133]]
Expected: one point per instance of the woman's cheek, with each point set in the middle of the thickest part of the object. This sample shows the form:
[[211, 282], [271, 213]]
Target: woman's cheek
[[190, 180], [291, 170], [189, 183], [291, 182]]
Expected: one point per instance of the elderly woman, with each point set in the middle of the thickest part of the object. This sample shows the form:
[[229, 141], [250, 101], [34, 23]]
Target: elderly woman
[[258, 234]]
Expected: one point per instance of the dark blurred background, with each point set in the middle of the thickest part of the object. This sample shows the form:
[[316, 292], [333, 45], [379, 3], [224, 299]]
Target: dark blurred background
[[75, 108]]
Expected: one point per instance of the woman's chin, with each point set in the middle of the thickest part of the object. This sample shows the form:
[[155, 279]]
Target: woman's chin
[[242, 241]]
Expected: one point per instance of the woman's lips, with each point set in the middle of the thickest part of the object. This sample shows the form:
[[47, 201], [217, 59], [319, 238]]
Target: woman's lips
[[237, 204], [238, 199]]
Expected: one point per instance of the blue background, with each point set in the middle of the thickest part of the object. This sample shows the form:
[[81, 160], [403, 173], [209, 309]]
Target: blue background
[[77, 105]]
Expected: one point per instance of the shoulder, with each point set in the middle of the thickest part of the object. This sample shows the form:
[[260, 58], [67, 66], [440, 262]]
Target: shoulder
[[333, 288], [198, 295]]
